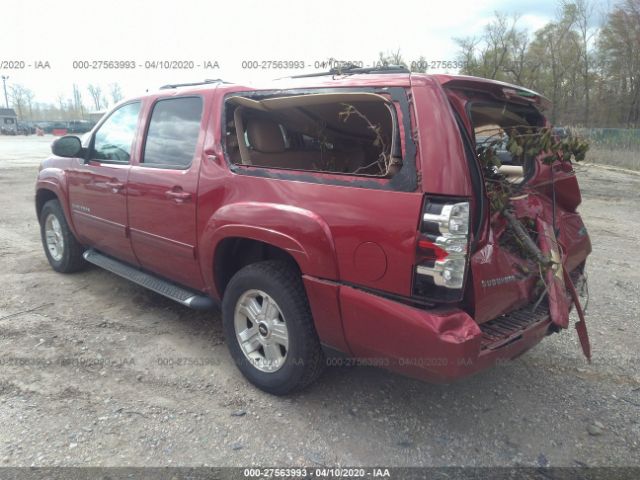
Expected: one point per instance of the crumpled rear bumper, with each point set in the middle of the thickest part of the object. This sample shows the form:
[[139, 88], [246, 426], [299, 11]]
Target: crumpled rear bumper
[[438, 345]]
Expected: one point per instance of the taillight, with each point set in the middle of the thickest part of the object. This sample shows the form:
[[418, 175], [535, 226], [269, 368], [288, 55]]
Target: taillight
[[441, 250]]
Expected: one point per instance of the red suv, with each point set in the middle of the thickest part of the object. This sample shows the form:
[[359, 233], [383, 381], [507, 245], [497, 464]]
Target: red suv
[[341, 212]]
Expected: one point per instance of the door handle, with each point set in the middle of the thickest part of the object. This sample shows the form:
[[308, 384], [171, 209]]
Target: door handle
[[178, 195], [115, 186]]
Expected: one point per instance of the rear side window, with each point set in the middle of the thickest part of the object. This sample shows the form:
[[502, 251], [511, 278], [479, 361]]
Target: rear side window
[[353, 133], [173, 132]]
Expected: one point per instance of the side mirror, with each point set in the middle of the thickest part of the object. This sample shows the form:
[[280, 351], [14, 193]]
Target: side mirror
[[68, 146]]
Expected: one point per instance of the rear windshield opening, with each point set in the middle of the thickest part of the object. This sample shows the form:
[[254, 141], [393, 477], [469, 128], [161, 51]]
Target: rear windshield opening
[[346, 133], [493, 121]]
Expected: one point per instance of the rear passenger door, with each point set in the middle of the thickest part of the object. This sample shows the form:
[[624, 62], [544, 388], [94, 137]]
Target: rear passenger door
[[162, 190]]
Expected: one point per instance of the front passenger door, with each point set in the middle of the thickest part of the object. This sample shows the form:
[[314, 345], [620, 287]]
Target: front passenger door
[[97, 186]]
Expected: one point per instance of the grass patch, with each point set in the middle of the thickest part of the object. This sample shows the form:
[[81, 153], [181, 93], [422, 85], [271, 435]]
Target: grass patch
[[619, 158]]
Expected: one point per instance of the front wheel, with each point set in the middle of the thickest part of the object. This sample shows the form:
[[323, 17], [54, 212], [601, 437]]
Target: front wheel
[[269, 328], [63, 251]]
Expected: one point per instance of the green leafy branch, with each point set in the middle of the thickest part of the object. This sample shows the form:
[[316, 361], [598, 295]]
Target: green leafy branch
[[525, 144]]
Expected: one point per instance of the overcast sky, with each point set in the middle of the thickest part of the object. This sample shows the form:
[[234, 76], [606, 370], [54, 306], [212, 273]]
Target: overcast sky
[[62, 31]]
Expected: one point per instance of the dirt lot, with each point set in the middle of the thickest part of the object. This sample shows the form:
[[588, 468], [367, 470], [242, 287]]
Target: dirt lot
[[97, 371]]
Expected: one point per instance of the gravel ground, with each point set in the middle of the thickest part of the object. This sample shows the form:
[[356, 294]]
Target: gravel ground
[[96, 371]]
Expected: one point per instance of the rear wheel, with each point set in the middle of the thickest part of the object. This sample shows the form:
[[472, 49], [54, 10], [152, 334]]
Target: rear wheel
[[269, 328], [63, 251]]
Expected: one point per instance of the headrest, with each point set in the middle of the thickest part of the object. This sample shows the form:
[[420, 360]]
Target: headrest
[[265, 136]]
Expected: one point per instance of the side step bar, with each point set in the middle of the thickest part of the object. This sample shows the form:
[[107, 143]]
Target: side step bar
[[170, 290]]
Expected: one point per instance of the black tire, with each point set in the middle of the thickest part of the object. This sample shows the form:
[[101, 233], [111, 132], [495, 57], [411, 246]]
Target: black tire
[[304, 359], [71, 259]]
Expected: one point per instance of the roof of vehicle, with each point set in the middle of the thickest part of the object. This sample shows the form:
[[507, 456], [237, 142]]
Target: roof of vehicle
[[287, 83], [367, 79]]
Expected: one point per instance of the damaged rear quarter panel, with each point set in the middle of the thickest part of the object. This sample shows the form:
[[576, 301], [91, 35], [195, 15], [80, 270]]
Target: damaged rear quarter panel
[[429, 344]]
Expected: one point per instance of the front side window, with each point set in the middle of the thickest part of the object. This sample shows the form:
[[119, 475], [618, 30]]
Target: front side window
[[173, 132], [114, 139]]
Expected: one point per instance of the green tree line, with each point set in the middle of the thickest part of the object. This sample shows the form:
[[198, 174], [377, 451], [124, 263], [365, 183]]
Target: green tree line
[[590, 72]]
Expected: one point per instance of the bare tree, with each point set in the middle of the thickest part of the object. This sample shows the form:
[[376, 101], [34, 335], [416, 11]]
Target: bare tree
[[554, 48], [391, 58], [77, 100], [116, 92], [584, 13], [619, 52], [521, 68], [61, 105], [499, 53], [29, 97], [96, 95], [18, 96], [467, 54], [499, 34]]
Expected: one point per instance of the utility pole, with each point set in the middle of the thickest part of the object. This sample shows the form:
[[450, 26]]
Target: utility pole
[[4, 84]]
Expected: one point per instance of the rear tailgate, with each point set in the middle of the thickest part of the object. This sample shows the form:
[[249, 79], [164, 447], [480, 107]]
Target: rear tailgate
[[502, 280]]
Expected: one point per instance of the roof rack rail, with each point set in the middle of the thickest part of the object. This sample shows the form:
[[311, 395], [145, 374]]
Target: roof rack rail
[[351, 69], [205, 82]]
